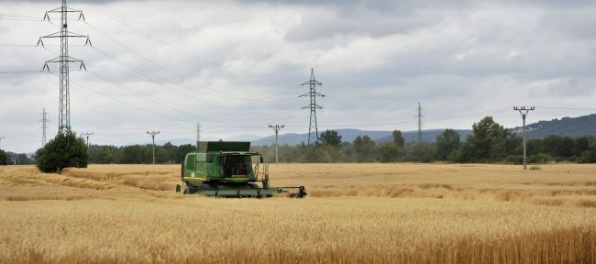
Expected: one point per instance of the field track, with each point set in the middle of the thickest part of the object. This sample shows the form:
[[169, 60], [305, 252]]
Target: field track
[[355, 213]]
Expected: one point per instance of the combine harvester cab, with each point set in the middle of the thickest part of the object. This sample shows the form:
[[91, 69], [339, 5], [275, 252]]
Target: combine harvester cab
[[229, 169]]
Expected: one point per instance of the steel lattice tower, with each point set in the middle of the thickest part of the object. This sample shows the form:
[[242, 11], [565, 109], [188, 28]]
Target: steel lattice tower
[[64, 60], [44, 120], [313, 106], [420, 116]]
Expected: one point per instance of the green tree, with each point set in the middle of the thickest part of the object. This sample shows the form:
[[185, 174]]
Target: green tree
[[65, 150], [137, 154], [330, 138], [446, 143], [582, 144], [3, 157], [488, 141], [388, 152], [398, 139], [365, 148], [181, 152], [558, 147], [423, 152]]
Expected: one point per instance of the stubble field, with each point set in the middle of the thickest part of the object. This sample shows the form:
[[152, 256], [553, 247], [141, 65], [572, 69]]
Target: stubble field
[[355, 213]]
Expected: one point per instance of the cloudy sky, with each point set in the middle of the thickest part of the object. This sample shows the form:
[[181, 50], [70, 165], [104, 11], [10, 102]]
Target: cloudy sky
[[237, 66]]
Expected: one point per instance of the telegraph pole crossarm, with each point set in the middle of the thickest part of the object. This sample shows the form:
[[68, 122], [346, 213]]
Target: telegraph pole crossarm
[[523, 110]]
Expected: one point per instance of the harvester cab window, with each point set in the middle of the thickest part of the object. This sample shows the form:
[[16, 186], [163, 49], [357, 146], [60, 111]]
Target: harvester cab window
[[236, 165]]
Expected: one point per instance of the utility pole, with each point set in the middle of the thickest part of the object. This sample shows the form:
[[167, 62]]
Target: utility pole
[[313, 106], [87, 135], [44, 120], [419, 109], [523, 110], [153, 133], [1, 138], [198, 134], [64, 59], [276, 129]]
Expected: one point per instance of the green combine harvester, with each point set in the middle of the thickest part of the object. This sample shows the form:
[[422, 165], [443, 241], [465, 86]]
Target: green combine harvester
[[229, 169]]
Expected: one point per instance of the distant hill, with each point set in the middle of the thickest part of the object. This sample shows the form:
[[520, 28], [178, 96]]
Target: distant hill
[[348, 135], [567, 127]]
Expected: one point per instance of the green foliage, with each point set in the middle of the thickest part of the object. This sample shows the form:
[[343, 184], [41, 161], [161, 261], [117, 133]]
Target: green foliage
[[330, 138], [423, 152], [3, 157], [588, 156], [446, 143], [540, 159], [582, 144], [487, 144], [388, 152], [65, 150], [365, 148], [398, 139]]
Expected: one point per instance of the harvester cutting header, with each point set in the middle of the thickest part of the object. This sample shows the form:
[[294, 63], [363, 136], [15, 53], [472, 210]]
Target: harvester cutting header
[[229, 169]]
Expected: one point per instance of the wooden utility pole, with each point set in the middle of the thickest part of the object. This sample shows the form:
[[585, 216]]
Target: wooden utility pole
[[524, 112], [153, 133], [276, 129]]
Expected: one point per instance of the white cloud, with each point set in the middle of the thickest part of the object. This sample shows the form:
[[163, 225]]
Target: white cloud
[[237, 66]]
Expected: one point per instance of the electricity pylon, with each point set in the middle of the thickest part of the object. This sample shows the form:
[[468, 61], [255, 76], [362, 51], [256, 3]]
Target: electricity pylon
[[64, 59], [44, 120], [420, 116], [313, 106]]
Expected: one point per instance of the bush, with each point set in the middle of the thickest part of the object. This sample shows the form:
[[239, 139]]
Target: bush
[[515, 159], [3, 158], [588, 156], [65, 150], [540, 158]]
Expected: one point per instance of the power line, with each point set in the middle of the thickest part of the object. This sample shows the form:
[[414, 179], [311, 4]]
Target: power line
[[14, 17], [566, 108], [17, 46], [313, 106], [19, 72]]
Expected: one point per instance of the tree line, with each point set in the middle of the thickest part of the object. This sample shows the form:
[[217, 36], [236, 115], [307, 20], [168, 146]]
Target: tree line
[[490, 142]]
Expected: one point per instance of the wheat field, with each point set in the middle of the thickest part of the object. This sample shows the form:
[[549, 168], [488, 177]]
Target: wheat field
[[355, 213]]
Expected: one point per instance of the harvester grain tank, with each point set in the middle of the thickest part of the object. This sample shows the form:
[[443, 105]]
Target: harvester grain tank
[[229, 169]]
